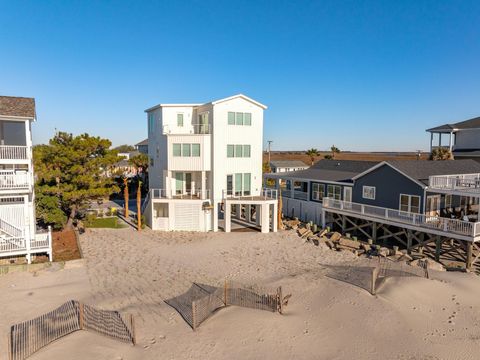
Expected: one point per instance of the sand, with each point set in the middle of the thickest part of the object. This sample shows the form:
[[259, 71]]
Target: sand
[[410, 318]]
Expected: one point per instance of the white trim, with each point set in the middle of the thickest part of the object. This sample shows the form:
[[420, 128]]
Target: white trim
[[244, 97], [364, 187], [393, 167], [410, 203]]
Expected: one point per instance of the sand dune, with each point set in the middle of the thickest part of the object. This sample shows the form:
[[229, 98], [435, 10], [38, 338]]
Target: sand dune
[[410, 318]]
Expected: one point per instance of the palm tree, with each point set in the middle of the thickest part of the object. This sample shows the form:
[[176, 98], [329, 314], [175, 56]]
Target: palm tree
[[313, 153], [441, 153], [125, 195], [334, 151]]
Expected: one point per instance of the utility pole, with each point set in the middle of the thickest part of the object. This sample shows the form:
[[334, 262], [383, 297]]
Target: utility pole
[[269, 147]]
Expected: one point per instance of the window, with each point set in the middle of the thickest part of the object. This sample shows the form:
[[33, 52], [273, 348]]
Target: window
[[231, 118], [151, 162], [177, 150], [230, 151], [334, 192], [246, 150], [317, 191], [247, 119], [410, 203], [196, 150], [238, 184], [151, 123], [238, 118], [186, 150], [238, 151], [368, 192], [179, 119], [247, 177]]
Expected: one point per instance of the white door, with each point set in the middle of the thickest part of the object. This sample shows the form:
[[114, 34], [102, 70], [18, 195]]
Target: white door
[[347, 194], [433, 205]]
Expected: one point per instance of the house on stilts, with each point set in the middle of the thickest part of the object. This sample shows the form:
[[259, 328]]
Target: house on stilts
[[427, 206]]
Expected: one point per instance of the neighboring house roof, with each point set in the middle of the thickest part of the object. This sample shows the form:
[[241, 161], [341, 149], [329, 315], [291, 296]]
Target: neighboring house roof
[[329, 171], [462, 125], [466, 152], [143, 142], [420, 170], [211, 102], [288, 163], [17, 107]]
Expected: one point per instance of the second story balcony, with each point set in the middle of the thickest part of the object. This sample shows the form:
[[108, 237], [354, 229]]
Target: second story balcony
[[463, 183], [13, 152], [192, 129], [12, 181]]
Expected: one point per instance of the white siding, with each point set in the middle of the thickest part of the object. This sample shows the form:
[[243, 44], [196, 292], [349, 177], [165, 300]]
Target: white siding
[[192, 163]]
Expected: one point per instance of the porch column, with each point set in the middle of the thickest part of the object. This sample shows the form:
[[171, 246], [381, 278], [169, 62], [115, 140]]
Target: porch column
[[265, 218], [204, 186], [468, 262], [431, 142], [215, 216], [248, 213], [275, 217], [451, 141], [258, 215], [26, 228], [228, 218], [238, 210], [168, 184], [323, 218], [292, 189], [439, 139]]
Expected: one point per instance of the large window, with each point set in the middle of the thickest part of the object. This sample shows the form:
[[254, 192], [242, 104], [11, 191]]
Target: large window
[[410, 203], [151, 122], [317, 191], [368, 192], [238, 151], [239, 118], [186, 150], [334, 192], [448, 201], [239, 184]]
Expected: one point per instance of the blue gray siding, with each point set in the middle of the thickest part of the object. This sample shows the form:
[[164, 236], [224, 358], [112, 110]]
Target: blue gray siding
[[389, 184]]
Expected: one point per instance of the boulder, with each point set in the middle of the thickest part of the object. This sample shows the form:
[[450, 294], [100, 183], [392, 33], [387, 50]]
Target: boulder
[[384, 252], [349, 243], [335, 237]]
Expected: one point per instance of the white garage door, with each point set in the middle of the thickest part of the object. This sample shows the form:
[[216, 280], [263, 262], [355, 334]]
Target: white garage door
[[187, 217]]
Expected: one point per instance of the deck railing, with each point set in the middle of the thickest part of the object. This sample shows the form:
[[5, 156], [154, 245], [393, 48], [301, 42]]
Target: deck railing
[[470, 182], [265, 194], [10, 179], [432, 222], [199, 129], [187, 195], [13, 152]]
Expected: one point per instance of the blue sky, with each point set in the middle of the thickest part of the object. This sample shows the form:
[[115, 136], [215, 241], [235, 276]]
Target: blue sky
[[363, 75]]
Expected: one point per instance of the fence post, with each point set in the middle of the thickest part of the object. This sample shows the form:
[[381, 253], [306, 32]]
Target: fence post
[[280, 298], [194, 311], [374, 280], [225, 292], [132, 326], [80, 315]]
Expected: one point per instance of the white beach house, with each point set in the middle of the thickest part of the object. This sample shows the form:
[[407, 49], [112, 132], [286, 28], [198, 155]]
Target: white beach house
[[205, 164], [18, 234]]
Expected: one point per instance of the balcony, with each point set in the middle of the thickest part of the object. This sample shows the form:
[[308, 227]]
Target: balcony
[[13, 152], [188, 129], [265, 194], [444, 226], [186, 195], [14, 180], [464, 183]]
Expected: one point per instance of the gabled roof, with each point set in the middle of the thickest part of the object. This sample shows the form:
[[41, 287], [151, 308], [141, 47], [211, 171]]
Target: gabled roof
[[287, 163], [143, 142], [242, 97], [462, 125], [17, 107], [329, 171], [420, 170]]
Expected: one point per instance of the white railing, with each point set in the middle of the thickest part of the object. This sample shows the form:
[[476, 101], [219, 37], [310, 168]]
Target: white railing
[[13, 214], [432, 222], [9, 244], [455, 182], [42, 240], [187, 195], [265, 194], [13, 152], [10, 179], [200, 129]]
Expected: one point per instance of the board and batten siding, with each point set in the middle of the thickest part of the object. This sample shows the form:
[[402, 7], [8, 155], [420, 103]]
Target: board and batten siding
[[389, 184], [467, 139]]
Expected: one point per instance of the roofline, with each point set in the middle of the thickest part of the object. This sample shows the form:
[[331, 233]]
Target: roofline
[[279, 176], [243, 97], [17, 118], [393, 167], [171, 105]]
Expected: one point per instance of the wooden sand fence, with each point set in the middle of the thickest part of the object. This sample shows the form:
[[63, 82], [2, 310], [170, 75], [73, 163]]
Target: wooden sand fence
[[201, 301], [28, 337]]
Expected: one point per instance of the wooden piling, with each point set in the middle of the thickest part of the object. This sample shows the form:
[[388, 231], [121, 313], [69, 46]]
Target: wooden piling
[[468, 262], [438, 247]]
